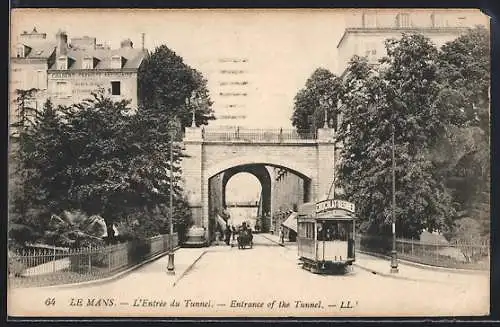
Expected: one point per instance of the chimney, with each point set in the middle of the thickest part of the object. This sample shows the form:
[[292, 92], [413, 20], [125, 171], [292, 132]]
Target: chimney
[[126, 44], [62, 43]]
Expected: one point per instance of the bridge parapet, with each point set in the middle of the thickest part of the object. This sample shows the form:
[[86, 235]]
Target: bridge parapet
[[246, 135]]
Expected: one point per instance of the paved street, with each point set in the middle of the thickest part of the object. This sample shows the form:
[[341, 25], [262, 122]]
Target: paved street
[[252, 282]]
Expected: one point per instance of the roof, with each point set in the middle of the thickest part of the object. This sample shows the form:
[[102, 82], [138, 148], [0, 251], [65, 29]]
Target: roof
[[39, 50], [133, 58], [423, 30], [307, 209]]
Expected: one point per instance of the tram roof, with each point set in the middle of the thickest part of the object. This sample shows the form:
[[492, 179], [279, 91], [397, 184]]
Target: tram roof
[[308, 211]]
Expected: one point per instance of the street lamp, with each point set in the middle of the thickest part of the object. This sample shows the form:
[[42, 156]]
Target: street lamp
[[172, 129], [394, 258]]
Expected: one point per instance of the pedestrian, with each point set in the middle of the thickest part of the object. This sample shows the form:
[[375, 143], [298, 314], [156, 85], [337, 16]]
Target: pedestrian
[[234, 232], [227, 234], [281, 235]]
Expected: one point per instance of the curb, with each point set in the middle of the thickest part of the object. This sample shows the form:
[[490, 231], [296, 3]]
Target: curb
[[110, 278], [397, 276], [279, 243], [428, 267], [388, 275], [188, 269]]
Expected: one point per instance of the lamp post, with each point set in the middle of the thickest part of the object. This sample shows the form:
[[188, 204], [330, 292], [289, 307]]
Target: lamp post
[[189, 103], [394, 258], [172, 128]]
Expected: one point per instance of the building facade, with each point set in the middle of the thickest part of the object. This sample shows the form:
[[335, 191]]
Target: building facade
[[368, 29], [68, 72], [30, 61], [85, 68], [287, 195], [230, 91]]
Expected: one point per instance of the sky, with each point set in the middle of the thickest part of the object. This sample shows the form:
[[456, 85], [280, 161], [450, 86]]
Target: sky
[[283, 47]]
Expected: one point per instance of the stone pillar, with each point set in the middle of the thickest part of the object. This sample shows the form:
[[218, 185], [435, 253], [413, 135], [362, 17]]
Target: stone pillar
[[326, 162], [192, 172]]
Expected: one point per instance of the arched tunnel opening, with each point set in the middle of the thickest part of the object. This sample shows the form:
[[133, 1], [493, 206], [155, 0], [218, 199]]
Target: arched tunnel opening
[[236, 196]]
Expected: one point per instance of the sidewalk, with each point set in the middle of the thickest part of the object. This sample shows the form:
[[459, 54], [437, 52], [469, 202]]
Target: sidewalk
[[380, 266], [410, 271], [155, 268], [184, 260], [275, 239]]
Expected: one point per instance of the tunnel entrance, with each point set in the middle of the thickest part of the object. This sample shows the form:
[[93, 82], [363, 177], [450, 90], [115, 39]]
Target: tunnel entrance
[[259, 194]]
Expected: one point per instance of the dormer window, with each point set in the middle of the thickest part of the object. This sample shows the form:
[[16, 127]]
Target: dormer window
[[116, 62], [88, 63], [62, 63], [20, 51]]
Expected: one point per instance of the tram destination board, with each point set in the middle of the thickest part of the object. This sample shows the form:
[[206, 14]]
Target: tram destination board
[[331, 204]]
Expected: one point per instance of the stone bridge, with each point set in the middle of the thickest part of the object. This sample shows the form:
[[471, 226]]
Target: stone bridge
[[212, 151]]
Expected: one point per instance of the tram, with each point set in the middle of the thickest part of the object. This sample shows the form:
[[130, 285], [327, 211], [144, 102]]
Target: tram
[[325, 236]]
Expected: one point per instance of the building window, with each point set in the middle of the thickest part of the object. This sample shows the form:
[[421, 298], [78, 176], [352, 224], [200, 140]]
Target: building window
[[403, 20], [369, 20], [461, 21], [116, 62], [88, 63], [20, 51], [41, 79], [62, 63], [115, 88], [62, 89]]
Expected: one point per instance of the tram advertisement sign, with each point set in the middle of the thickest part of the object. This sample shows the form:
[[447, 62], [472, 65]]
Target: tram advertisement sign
[[331, 204]]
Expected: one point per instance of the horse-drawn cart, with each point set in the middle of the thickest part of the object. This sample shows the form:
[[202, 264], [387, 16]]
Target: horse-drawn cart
[[245, 238]]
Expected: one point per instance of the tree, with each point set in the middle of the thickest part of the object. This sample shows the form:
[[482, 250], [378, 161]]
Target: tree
[[464, 70], [95, 157], [33, 162], [24, 111], [322, 86], [397, 97], [117, 162], [166, 85]]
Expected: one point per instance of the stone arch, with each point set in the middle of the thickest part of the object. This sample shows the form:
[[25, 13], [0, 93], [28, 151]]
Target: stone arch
[[279, 161], [301, 170]]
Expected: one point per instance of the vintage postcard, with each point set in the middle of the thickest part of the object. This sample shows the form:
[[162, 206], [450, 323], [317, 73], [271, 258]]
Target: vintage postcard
[[249, 163]]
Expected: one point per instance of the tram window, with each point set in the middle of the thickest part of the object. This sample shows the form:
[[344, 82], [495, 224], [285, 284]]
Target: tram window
[[333, 230], [309, 230]]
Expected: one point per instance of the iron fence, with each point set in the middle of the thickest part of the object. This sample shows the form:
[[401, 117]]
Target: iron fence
[[257, 135], [93, 261], [466, 254]]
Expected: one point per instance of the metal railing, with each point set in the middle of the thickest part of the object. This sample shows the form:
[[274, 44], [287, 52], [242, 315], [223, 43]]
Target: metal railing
[[471, 254], [257, 135], [69, 265]]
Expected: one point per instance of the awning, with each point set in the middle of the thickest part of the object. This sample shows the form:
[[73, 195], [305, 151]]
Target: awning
[[291, 222]]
